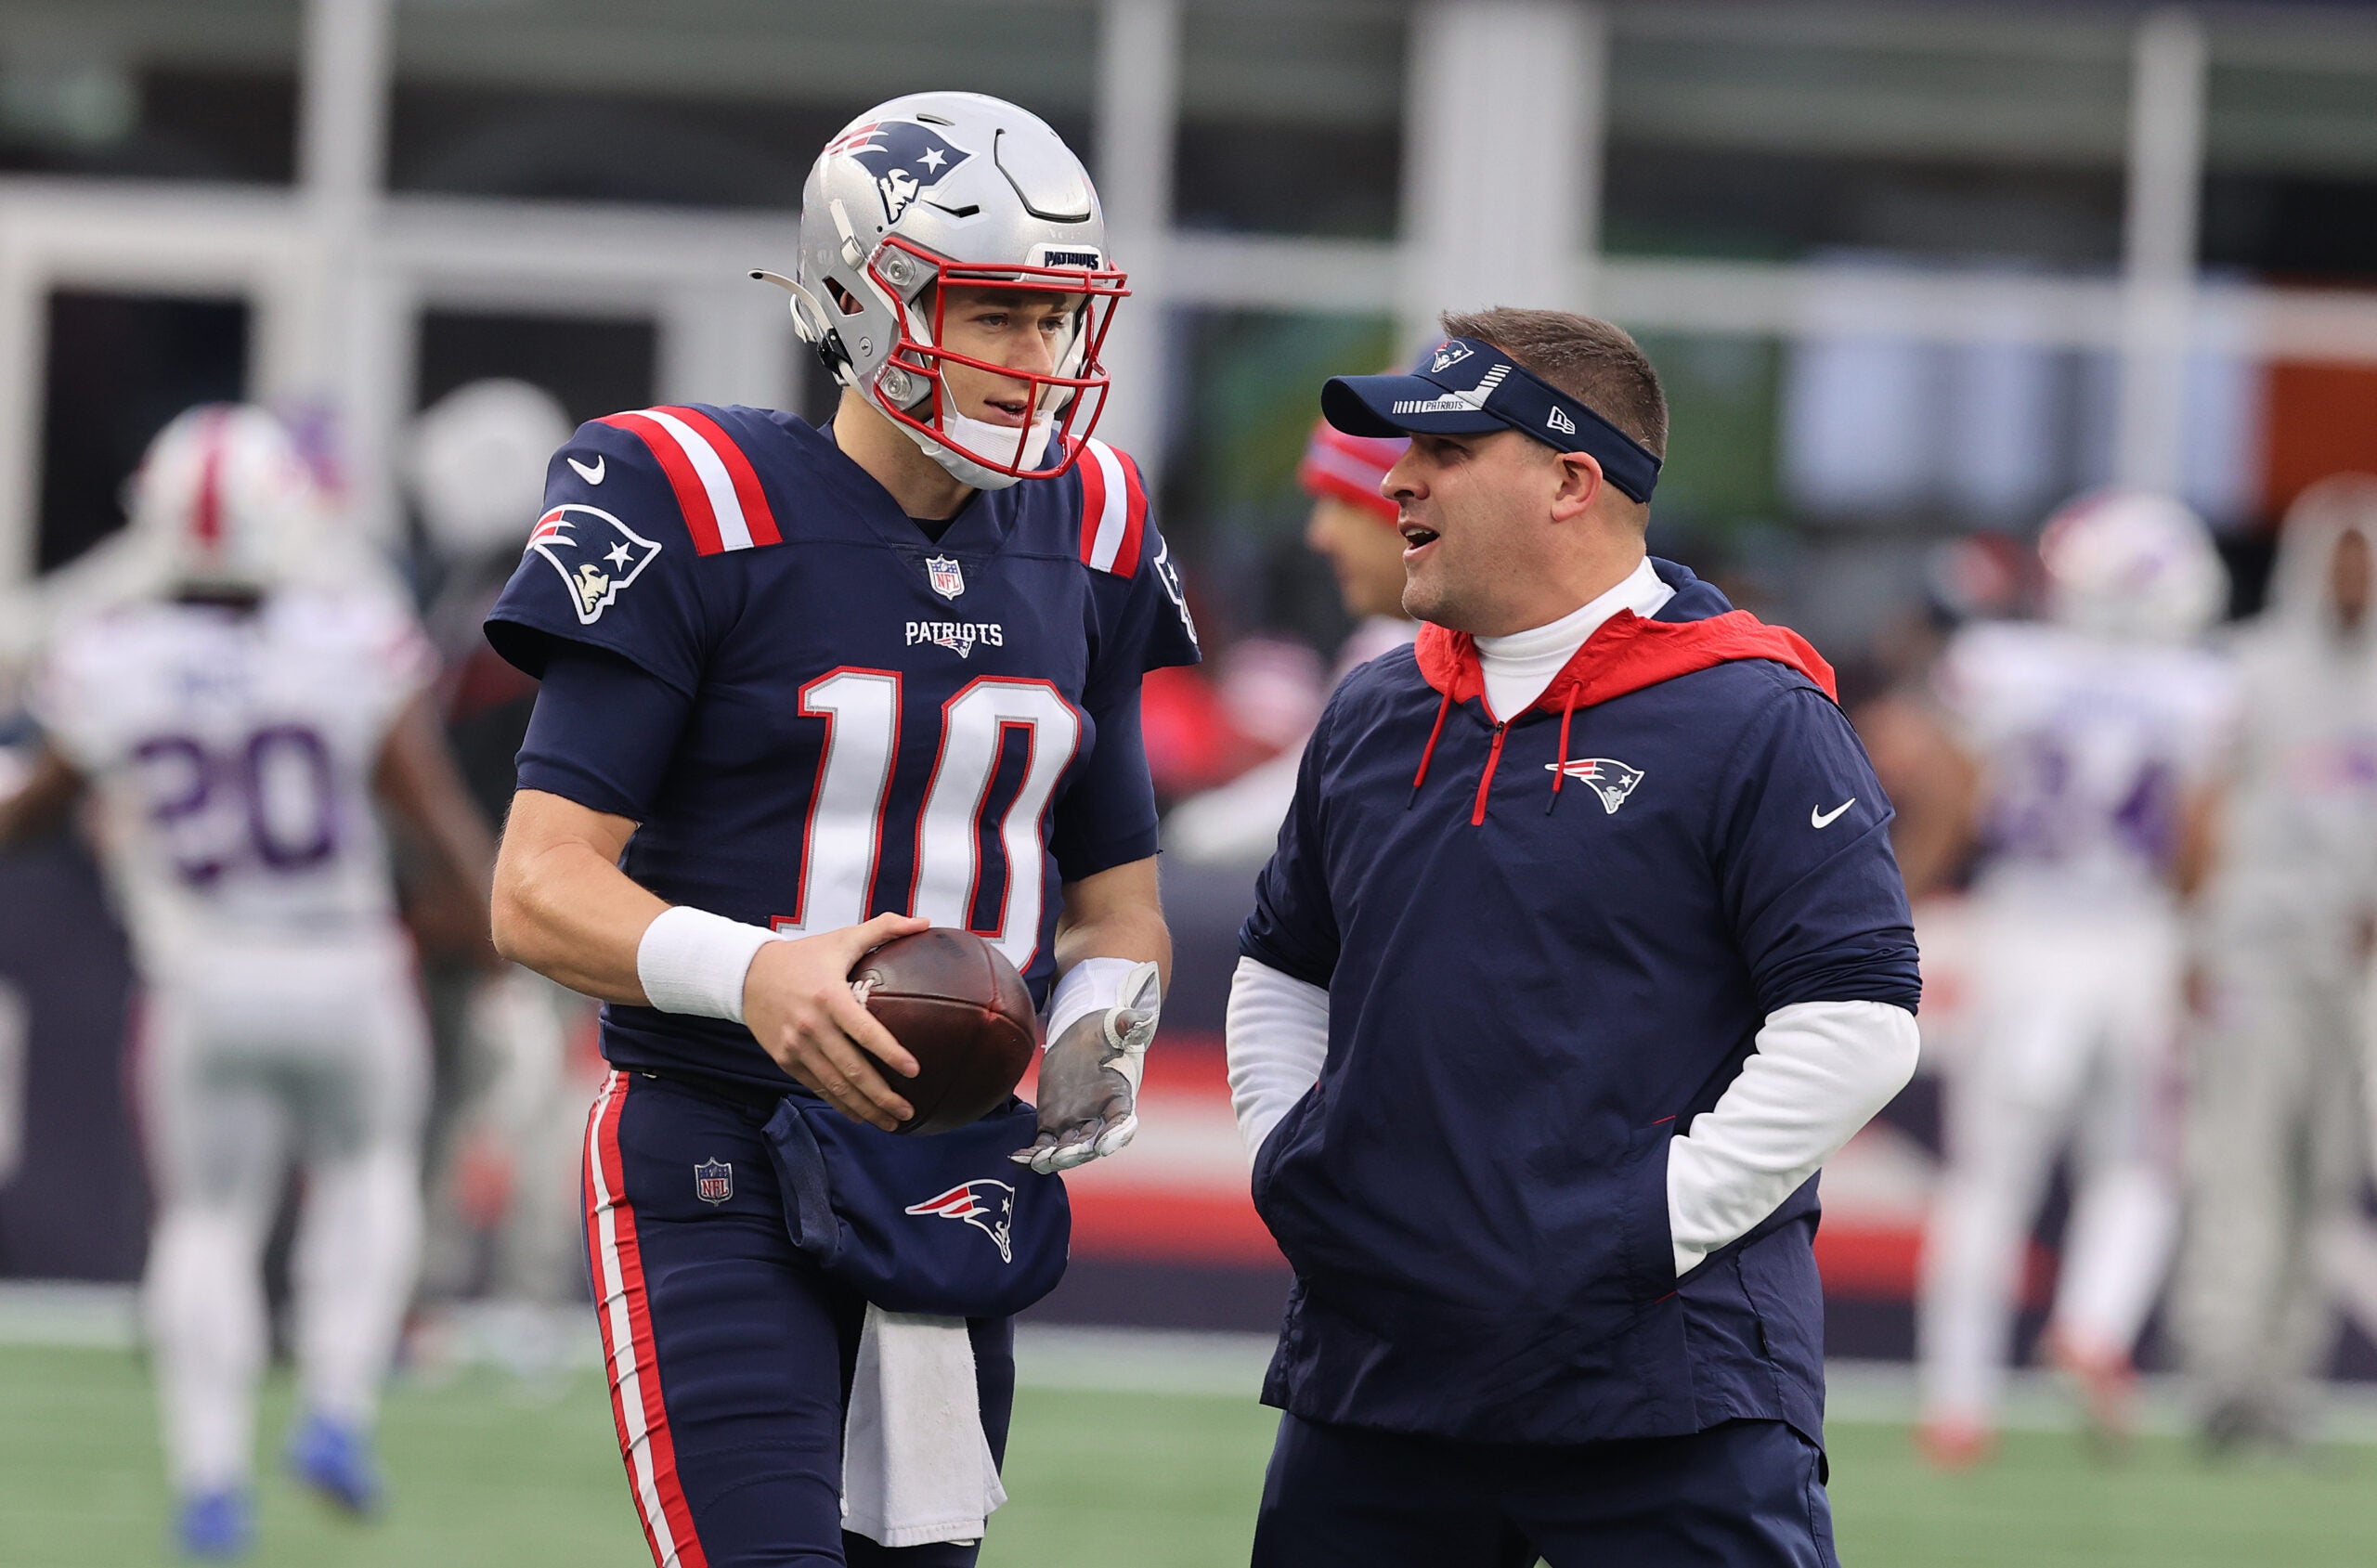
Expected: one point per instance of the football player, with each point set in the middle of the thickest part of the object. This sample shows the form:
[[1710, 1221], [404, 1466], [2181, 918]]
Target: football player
[[2092, 738], [236, 726], [2275, 1142], [807, 688]]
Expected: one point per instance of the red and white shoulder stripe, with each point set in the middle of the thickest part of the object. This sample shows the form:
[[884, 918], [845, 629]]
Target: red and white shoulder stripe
[[1113, 509], [717, 489]]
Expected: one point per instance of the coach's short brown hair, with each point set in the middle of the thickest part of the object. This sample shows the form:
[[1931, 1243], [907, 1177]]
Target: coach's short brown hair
[[1590, 359]]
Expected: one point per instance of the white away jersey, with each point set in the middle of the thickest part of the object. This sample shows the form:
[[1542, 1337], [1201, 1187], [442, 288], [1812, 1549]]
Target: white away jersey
[[232, 756], [2087, 747]]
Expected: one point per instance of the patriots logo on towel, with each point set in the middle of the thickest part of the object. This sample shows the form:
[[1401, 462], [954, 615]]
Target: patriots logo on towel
[[906, 160], [987, 1205], [1610, 779], [595, 554], [714, 1181]]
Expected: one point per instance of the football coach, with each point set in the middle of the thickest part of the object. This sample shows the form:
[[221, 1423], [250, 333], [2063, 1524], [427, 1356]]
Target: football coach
[[1582, 949]]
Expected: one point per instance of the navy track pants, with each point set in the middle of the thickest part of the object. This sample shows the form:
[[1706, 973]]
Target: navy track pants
[[730, 1356], [1743, 1494]]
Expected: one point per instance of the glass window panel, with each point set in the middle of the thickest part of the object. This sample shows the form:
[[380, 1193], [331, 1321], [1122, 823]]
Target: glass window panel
[[594, 365], [1291, 117], [118, 366], [149, 91], [2290, 151], [1759, 134], [705, 102]]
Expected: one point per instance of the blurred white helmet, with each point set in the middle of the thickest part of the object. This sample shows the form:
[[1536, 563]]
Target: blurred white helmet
[[225, 500], [477, 463], [2132, 565], [955, 189]]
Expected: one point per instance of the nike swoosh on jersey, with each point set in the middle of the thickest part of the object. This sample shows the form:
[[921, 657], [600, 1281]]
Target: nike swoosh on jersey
[[1825, 819], [591, 473]]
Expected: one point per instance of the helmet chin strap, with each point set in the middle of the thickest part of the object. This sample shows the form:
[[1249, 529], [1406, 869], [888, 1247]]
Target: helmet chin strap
[[984, 436]]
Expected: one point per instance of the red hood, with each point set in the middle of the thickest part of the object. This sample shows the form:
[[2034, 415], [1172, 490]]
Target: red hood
[[1627, 653]]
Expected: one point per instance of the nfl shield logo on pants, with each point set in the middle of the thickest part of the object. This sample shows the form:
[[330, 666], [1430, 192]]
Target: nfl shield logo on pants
[[714, 1181], [947, 581]]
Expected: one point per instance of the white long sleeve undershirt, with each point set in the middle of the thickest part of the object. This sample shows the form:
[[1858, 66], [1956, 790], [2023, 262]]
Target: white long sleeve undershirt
[[1820, 1070], [1277, 1028]]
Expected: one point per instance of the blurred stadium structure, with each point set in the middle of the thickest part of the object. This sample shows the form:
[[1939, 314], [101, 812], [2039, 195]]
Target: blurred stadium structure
[[1912, 271]]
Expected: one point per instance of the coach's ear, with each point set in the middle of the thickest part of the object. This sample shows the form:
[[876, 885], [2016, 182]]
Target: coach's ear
[[1580, 484]]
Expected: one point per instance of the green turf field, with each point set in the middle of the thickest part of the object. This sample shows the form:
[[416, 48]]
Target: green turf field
[[487, 1475]]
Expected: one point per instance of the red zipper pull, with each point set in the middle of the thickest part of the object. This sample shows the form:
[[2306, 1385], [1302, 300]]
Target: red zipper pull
[[1485, 782]]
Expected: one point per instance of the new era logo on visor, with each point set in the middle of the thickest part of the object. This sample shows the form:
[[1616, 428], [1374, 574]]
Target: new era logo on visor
[[1561, 422]]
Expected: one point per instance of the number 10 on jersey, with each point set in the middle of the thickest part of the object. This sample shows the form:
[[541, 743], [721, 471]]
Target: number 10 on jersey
[[843, 839]]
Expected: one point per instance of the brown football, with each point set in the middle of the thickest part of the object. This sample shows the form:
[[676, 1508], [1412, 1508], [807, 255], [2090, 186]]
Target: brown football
[[962, 1011]]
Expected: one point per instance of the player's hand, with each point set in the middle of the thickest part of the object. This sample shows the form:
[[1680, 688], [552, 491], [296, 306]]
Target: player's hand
[[797, 1002], [1089, 1079]]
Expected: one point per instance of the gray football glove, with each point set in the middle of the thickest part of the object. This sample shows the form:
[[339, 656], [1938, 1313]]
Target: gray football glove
[[1089, 1079]]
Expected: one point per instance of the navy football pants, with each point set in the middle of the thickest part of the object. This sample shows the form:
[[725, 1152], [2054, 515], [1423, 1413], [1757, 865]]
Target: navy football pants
[[730, 1356], [1743, 1495]]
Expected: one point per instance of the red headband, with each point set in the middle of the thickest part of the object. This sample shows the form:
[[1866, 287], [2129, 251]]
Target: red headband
[[1350, 468]]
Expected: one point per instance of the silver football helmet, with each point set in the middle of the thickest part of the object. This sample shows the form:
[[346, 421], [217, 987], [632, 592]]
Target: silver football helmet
[[939, 190]]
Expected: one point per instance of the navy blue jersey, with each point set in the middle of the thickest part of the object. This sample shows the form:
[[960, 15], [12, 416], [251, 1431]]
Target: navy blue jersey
[[856, 718], [1529, 992]]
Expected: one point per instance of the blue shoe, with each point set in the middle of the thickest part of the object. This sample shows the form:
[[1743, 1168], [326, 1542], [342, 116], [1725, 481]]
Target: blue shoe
[[215, 1526], [335, 1460]]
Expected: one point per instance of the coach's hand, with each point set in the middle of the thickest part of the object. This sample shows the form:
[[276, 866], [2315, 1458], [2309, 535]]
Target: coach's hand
[[796, 1000], [1089, 1079]]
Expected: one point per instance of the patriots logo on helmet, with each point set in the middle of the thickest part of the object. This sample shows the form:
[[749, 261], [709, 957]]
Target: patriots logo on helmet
[[987, 1205], [906, 158], [1610, 779], [595, 554]]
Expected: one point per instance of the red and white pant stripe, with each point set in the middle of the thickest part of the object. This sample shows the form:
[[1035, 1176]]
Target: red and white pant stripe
[[625, 1313]]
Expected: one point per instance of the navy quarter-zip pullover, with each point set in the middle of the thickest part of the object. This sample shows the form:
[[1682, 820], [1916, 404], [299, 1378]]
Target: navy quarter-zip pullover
[[1548, 944]]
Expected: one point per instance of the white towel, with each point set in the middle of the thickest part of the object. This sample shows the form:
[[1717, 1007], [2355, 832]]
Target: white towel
[[915, 1464]]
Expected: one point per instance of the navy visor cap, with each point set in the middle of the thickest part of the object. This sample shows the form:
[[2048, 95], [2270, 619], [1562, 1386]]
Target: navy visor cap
[[1464, 386]]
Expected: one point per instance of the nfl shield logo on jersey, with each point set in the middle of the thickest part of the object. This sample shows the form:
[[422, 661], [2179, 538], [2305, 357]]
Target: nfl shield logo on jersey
[[946, 579], [1610, 779], [714, 1181]]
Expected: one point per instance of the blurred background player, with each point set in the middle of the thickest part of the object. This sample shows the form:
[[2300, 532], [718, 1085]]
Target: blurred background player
[[235, 725], [2091, 738], [1352, 527], [2274, 1138], [515, 1062]]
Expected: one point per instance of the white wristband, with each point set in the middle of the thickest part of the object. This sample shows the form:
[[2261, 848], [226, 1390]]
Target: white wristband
[[692, 961], [1094, 985]]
